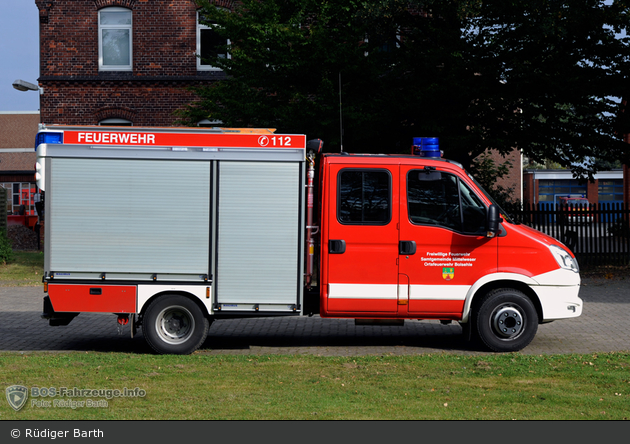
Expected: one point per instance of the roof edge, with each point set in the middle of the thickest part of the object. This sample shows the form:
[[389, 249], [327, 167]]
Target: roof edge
[[19, 112]]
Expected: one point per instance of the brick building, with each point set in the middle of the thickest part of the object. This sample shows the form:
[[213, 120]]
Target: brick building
[[17, 159], [119, 62], [547, 186]]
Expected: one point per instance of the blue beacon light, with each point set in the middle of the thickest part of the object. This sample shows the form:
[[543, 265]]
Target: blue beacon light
[[426, 147], [48, 137]]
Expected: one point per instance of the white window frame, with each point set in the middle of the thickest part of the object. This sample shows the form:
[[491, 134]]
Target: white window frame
[[101, 65], [200, 66]]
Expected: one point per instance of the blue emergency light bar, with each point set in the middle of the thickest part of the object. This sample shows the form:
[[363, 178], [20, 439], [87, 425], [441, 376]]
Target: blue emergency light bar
[[48, 137], [426, 147]]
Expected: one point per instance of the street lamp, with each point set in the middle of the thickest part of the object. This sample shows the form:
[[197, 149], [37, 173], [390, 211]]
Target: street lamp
[[23, 85]]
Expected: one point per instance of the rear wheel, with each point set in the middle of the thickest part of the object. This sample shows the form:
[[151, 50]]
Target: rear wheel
[[174, 324], [506, 321]]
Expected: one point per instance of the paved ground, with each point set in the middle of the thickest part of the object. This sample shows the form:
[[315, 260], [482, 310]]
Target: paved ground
[[603, 327]]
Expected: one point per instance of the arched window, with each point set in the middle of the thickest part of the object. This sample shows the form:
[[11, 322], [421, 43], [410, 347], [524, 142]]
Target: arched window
[[115, 122], [114, 39]]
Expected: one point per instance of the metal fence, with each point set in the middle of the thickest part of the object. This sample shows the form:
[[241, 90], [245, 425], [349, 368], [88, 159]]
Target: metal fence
[[598, 234]]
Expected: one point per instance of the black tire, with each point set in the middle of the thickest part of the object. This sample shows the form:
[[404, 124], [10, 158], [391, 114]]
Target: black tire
[[506, 320], [174, 324]]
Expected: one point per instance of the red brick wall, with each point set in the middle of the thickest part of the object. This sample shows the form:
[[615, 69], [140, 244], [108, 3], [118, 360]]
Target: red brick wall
[[163, 61], [592, 191], [513, 179], [87, 103], [530, 189]]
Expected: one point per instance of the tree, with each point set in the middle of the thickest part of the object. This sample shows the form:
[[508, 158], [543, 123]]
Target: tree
[[564, 69], [535, 75]]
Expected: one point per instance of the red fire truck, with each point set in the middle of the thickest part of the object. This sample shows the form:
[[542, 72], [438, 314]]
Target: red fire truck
[[172, 228]]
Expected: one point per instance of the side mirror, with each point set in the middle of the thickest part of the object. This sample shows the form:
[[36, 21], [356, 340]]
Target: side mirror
[[494, 219]]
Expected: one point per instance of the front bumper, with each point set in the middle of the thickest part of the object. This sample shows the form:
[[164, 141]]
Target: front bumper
[[559, 302]]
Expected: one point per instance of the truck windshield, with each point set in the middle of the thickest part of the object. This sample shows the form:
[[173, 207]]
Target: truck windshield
[[485, 193]]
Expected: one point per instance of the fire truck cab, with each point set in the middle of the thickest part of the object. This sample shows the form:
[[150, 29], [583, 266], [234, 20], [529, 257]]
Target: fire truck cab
[[171, 228]]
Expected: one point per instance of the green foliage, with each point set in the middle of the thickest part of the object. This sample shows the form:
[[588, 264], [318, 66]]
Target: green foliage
[[26, 268], [536, 75], [486, 171], [6, 249]]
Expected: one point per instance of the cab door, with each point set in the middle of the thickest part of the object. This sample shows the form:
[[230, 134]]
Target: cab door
[[444, 248], [361, 246]]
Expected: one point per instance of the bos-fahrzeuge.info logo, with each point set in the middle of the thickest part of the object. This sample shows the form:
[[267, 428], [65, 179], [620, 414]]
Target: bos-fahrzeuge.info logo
[[17, 395]]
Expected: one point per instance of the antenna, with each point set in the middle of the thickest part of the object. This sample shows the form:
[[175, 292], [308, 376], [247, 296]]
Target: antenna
[[340, 116]]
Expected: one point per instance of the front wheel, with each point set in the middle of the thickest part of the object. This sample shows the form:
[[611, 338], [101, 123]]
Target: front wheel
[[174, 324], [506, 321]]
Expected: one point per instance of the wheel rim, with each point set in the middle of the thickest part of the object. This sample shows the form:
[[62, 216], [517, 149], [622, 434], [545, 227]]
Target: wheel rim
[[175, 325], [507, 321]]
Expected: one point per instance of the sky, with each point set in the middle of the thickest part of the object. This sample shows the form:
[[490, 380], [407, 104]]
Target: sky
[[19, 54]]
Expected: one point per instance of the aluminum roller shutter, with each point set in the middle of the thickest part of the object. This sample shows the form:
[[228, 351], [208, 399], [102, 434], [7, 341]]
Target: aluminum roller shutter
[[148, 216], [258, 230]]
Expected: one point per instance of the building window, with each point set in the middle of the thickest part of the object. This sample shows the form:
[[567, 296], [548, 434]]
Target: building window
[[383, 43], [210, 123], [114, 39], [549, 190], [115, 122], [20, 197], [610, 190], [210, 46]]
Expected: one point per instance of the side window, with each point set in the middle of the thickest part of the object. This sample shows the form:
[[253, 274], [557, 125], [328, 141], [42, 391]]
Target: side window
[[437, 198], [364, 197], [210, 46], [114, 39], [433, 199]]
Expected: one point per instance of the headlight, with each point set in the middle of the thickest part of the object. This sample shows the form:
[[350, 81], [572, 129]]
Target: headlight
[[564, 258]]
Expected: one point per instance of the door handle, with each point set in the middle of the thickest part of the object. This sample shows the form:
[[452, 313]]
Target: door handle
[[407, 247], [336, 246]]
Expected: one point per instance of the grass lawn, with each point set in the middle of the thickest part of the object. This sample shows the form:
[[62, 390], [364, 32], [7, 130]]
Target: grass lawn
[[26, 269], [428, 387]]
